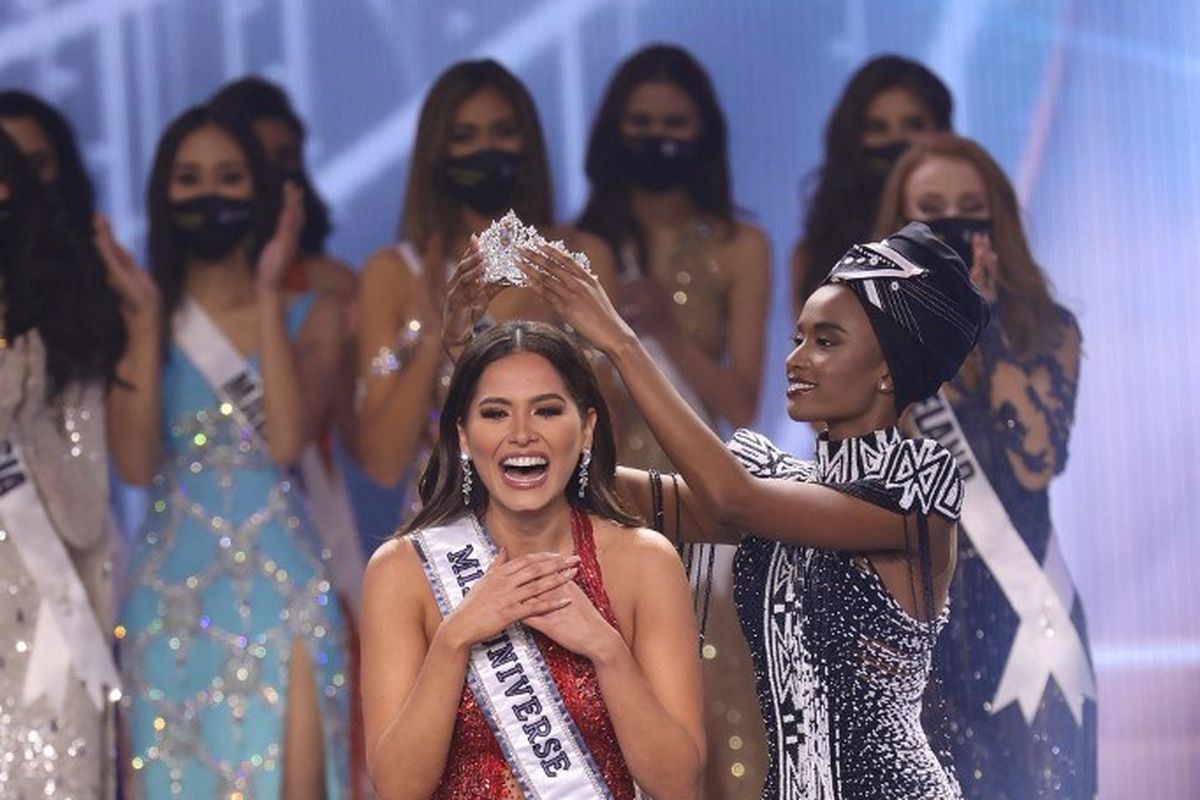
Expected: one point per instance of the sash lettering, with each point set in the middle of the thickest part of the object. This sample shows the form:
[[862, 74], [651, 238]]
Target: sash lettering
[[1046, 644], [509, 678]]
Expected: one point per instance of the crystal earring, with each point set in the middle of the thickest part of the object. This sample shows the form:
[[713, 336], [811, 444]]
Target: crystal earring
[[584, 460], [465, 460]]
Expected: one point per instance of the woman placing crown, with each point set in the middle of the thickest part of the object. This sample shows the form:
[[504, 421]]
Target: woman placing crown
[[843, 564]]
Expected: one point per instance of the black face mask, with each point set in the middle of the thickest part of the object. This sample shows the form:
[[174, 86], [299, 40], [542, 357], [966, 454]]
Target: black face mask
[[484, 181], [211, 226], [957, 232], [6, 217], [885, 156], [658, 163]]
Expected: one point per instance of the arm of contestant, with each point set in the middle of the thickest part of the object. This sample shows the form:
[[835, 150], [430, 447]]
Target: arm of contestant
[[724, 491], [411, 681], [649, 677]]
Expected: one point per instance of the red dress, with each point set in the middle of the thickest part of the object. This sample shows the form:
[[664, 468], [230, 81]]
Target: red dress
[[475, 766]]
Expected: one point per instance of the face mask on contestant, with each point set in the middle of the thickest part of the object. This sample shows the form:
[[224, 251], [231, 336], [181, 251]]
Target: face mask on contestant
[[894, 117], [958, 232], [6, 217], [658, 163], [885, 156], [485, 181], [212, 226]]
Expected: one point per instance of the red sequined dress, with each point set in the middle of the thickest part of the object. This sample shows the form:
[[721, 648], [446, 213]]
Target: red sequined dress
[[475, 766]]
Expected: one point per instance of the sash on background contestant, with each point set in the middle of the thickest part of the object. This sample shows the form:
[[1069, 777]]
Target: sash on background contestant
[[1046, 644], [69, 640]]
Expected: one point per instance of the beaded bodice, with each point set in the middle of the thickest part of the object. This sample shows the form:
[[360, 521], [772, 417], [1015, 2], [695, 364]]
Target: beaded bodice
[[840, 666], [475, 767]]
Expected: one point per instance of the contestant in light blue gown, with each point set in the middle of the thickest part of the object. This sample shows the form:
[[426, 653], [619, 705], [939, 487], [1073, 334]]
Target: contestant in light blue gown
[[226, 574]]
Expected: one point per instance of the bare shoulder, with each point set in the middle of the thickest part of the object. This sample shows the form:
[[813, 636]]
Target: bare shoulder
[[637, 552], [383, 269], [395, 567], [751, 246]]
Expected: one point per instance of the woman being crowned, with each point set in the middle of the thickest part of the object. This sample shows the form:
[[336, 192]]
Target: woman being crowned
[[523, 637]]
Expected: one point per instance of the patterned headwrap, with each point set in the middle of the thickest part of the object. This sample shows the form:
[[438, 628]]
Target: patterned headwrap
[[922, 305]]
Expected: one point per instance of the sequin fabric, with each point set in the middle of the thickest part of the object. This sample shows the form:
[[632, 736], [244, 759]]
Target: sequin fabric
[[48, 752], [840, 666], [226, 575], [997, 754], [475, 766], [698, 290]]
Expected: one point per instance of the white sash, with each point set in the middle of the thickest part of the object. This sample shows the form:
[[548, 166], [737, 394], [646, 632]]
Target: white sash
[[1046, 643], [68, 638], [509, 678], [228, 373], [235, 381], [333, 516]]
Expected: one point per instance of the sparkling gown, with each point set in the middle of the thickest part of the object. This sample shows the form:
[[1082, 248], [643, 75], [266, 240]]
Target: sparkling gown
[[999, 756], [475, 766], [737, 751], [226, 575], [48, 752], [841, 667]]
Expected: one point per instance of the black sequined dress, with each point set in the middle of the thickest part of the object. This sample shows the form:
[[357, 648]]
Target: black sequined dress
[[841, 668]]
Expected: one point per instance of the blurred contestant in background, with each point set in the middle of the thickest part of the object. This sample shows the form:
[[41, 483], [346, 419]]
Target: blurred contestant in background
[[1015, 660], [234, 652], [695, 285]]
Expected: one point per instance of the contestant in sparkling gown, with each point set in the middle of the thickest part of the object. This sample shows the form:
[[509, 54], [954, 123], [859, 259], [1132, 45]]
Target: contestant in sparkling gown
[[695, 286], [56, 359], [479, 152], [843, 566], [1015, 404], [233, 648], [598, 609]]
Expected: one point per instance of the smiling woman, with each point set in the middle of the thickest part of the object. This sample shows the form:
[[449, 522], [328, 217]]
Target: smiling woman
[[520, 508]]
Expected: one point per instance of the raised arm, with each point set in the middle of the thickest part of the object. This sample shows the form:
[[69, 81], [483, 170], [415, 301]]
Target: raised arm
[[412, 681], [399, 355], [790, 511], [134, 402], [291, 412], [729, 386]]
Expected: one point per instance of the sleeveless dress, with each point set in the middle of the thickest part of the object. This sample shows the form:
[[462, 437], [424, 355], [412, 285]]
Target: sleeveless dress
[[475, 766], [226, 575], [47, 751], [737, 747], [841, 667], [998, 755]]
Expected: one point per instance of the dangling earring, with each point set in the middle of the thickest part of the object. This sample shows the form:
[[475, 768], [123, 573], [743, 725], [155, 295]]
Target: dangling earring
[[465, 460], [584, 460]]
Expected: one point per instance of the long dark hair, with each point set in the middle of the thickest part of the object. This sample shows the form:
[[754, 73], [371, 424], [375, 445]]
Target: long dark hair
[[253, 98], [429, 208], [74, 185], [53, 281], [608, 213], [845, 188], [168, 259], [441, 483]]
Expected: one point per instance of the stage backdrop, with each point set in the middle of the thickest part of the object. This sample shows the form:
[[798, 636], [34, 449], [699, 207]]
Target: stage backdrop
[[1092, 107]]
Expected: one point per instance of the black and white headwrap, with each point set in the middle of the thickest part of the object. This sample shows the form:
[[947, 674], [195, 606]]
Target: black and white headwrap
[[922, 305]]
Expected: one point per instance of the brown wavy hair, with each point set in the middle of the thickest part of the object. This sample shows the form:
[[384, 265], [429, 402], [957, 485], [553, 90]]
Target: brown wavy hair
[[429, 208], [442, 481], [1027, 308]]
